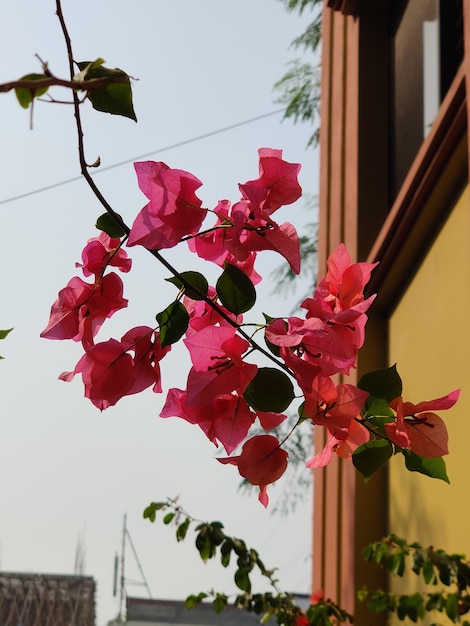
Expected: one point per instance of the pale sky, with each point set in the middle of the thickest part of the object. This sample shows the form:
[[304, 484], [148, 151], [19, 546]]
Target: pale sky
[[199, 65]]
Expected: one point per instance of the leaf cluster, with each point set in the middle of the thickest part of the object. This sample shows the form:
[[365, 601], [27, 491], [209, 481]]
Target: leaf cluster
[[109, 90], [383, 386], [433, 566], [212, 542]]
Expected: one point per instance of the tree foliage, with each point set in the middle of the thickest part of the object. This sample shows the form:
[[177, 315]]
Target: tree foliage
[[299, 87]]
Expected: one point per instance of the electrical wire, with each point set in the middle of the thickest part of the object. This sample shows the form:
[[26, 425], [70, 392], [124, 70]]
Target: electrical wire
[[178, 144]]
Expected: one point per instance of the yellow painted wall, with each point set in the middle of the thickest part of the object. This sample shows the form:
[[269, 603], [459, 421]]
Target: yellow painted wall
[[430, 342]]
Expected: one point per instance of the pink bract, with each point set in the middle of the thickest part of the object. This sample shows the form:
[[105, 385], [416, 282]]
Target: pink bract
[[174, 210]]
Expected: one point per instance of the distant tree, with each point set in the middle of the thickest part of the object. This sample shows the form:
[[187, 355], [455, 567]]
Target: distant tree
[[300, 85]]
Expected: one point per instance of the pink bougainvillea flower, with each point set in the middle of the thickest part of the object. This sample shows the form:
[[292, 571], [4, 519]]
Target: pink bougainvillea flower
[[344, 282], [315, 341], [218, 367], [357, 435], [212, 245], [148, 352], [102, 251], [109, 372], [81, 308], [222, 243], [174, 209], [418, 429], [202, 315], [277, 184], [334, 406], [262, 461], [279, 238], [225, 419], [339, 298]]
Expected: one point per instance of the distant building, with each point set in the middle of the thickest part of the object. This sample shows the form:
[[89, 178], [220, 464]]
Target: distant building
[[46, 600], [144, 612]]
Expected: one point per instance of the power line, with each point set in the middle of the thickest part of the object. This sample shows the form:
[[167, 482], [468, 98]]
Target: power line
[[143, 156]]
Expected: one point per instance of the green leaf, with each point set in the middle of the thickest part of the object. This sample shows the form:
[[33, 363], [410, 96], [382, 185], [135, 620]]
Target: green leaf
[[203, 543], [217, 534], [168, 518], [428, 572], [150, 512], [226, 551], [173, 322], [26, 96], [452, 606], [235, 290], [182, 530], [220, 603], [108, 224], [270, 390], [196, 280], [384, 383], [193, 600], [268, 318], [376, 407], [435, 468], [86, 67], [242, 579], [371, 456], [114, 98]]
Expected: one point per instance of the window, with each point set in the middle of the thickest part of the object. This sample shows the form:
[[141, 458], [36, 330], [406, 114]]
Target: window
[[426, 52]]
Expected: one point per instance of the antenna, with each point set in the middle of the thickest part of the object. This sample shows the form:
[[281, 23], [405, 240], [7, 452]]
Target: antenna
[[121, 561], [80, 554], [122, 590]]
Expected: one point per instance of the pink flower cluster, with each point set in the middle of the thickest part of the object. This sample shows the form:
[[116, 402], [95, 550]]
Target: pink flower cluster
[[108, 370], [312, 349]]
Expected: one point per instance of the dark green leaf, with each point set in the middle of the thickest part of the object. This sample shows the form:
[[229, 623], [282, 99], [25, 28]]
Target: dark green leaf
[[26, 96], [217, 533], [268, 318], [173, 322], [168, 518], [270, 390], [384, 383], [114, 98], [226, 551], [435, 468], [371, 456], [242, 579], [108, 224], [235, 290], [196, 280]]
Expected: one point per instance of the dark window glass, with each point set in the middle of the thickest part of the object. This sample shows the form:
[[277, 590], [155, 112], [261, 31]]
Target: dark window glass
[[426, 52]]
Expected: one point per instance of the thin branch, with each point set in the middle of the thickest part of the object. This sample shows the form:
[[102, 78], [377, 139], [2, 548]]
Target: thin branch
[[53, 81], [120, 222]]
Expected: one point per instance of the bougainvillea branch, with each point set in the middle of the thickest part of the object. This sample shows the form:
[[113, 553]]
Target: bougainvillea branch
[[227, 390]]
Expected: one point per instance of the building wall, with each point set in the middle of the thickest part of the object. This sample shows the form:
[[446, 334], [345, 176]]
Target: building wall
[[430, 341]]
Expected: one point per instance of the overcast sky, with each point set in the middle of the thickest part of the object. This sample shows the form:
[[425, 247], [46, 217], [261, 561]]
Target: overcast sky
[[199, 66]]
